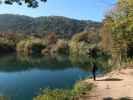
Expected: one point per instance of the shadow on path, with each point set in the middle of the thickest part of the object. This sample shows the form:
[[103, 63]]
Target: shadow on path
[[122, 98], [110, 79]]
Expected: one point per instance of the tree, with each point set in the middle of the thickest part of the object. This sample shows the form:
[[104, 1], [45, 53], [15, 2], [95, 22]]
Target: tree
[[119, 24], [29, 3], [51, 38]]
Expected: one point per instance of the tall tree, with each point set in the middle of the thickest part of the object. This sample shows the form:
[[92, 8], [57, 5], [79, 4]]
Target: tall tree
[[119, 24]]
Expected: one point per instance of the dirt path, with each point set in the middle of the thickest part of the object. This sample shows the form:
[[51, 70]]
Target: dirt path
[[116, 84]]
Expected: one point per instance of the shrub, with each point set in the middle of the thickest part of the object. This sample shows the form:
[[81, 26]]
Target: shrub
[[31, 46], [81, 42], [61, 47], [6, 45], [82, 87], [51, 38], [57, 94], [125, 98], [65, 94]]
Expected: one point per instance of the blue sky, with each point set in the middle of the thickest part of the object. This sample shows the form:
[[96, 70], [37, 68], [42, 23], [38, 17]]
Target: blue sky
[[79, 9]]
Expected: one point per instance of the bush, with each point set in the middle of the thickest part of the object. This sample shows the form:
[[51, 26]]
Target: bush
[[82, 87], [57, 94], [65, 94], [81, 42], [6, 45], [31, 46], [61, 47]]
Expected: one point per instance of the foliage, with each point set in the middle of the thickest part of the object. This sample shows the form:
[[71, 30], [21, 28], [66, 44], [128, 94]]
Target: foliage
[[29, 3], [6, 45], [31, 46], [51, 38], [55, 45], [8, 42], [65, 94], [82, 87], [57, 94], [81, 46], [49, 44], [125, 98], [100, 58], [81, 42], [119, 26], [61, 47]]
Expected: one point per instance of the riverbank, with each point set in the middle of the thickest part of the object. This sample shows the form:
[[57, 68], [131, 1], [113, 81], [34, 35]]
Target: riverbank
[[117, 84]]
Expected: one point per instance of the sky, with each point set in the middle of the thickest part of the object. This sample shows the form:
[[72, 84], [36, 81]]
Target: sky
[[78, 9]]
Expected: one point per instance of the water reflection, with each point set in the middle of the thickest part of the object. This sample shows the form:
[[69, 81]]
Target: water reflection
[[11, 63], [14, 62], [21, 77]]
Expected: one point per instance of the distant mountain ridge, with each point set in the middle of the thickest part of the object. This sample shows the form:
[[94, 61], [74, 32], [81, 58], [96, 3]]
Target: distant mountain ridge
[[42, 25]]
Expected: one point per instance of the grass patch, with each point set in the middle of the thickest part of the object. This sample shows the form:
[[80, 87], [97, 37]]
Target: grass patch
[[125, 98], [65, 94]]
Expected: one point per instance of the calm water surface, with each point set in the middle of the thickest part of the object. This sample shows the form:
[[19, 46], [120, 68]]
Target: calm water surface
[[21, 78]]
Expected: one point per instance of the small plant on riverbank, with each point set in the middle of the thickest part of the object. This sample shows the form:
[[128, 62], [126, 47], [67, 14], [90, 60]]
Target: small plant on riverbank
[[65, 94], [82, 87], [57, 94]]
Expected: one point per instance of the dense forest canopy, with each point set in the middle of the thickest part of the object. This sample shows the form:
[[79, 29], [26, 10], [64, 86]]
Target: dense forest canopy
[[42, 25]]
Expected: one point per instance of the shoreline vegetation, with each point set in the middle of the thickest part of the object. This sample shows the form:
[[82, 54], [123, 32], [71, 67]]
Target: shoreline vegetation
[[113, 42], [48, 44], [110, 86], [65, 94]]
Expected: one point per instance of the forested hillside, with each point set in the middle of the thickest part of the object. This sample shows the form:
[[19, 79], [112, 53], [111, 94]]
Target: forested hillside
[[42, 25]]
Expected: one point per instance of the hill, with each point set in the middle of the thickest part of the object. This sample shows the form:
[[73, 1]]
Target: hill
[[42, 25]]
